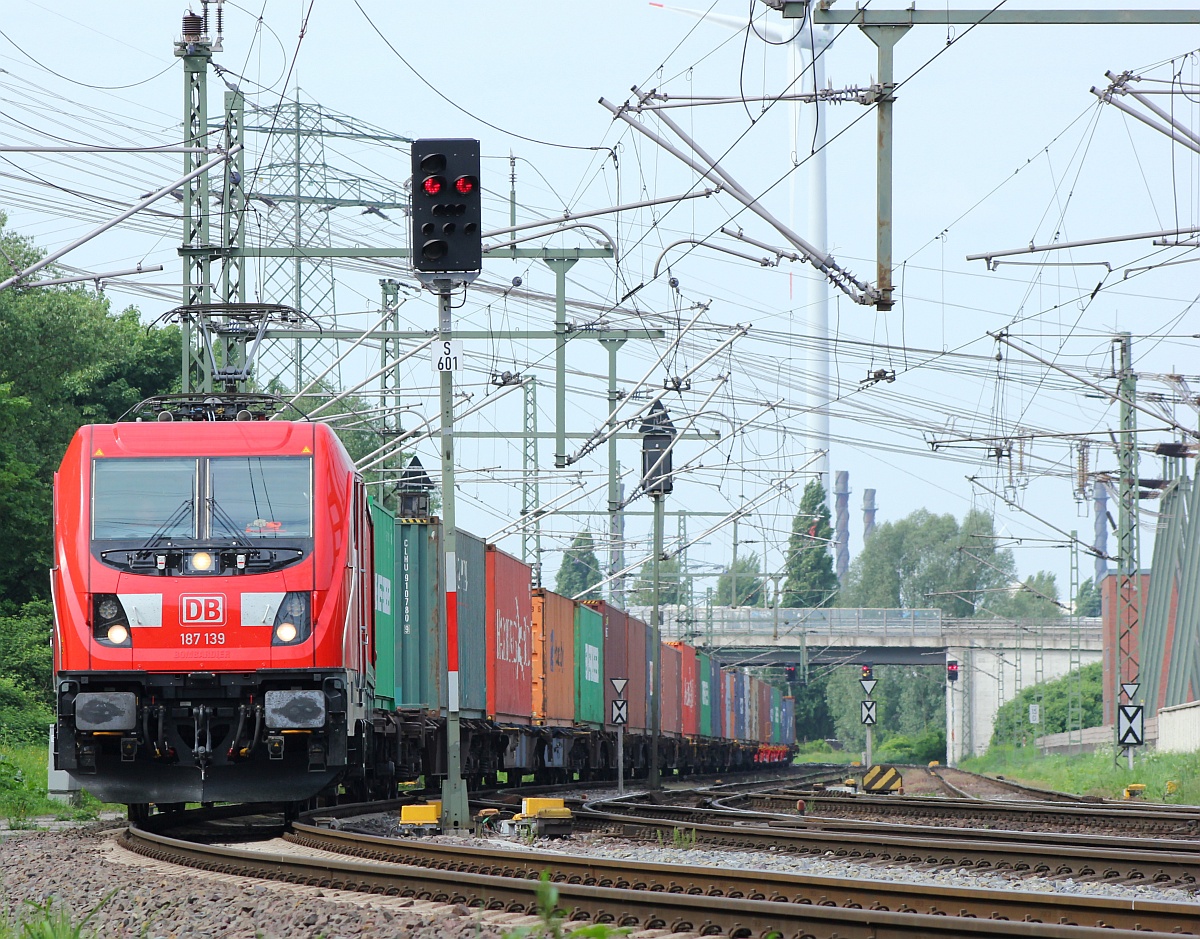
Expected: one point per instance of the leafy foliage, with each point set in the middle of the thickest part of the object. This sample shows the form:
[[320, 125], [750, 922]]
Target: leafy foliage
[[552, 919], [1087, 601], [926, 747], [25, 650], [813, 720], [580, 569], [670, 589], [26, 684], [68, 360], [1012, 718], [927, 560], [1036, 598], [748, 583], [911, 701], [810, 581]]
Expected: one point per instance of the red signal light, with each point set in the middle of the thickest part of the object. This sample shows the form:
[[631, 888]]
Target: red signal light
[[466, 185], [433, 185]]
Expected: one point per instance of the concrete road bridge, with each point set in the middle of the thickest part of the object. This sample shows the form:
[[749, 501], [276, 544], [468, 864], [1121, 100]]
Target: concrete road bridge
[[997, 657]]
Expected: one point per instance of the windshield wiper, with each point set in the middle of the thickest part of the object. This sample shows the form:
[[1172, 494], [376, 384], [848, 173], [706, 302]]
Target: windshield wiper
[[184, 510], [225, 519]]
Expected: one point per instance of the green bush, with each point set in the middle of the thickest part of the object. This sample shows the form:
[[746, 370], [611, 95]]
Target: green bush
[[23, 718], [925, 748], [1012, 719]]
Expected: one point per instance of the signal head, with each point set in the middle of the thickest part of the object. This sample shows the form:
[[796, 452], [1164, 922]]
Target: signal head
[[447, 210]]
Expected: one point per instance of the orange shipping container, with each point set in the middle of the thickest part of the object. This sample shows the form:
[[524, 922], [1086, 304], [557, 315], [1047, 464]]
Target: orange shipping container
[[553, 659]]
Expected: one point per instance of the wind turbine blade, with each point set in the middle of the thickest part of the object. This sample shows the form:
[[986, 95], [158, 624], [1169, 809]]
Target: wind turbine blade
[[767, 30]]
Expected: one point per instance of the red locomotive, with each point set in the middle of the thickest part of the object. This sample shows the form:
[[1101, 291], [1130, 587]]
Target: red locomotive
[[212, 591], [224, 590]]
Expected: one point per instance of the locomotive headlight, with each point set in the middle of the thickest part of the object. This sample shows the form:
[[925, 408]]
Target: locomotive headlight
[[202, 561], [293, 622], [110, 624]]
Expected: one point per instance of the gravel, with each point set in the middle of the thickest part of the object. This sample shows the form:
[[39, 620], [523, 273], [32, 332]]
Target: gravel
[[603, 846], [77, 869]]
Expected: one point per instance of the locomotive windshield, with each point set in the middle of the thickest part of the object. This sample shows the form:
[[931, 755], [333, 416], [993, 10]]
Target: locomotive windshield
[[142, 499], [246, 497], [260, 497]]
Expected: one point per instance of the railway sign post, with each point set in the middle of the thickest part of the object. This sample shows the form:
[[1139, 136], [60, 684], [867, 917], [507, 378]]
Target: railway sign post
[[868, 682], [447, 253], [1131, 728], [620, 717]]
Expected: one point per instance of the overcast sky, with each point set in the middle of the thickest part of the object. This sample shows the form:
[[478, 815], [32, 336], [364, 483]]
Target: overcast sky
[[998, 144]]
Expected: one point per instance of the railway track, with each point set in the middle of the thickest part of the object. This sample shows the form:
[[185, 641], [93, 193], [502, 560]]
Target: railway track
[[1099, 819], [683, 900], [1077, 857]]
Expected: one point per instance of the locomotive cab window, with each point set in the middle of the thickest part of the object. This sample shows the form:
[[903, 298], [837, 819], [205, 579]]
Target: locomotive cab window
[[260, 497], [144, 498], [154, 501]]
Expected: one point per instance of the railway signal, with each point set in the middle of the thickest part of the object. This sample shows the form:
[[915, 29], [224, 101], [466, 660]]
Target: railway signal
[[867, 673], [952, 670], [447, 208]]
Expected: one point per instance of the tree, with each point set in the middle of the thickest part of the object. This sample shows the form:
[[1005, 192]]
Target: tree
[[749, 584], [670, 587], [927, 560], [1012, 718], [1036, 598], [813, 721], [910, 705], [810, 581], [1087, 601], [68, 360], [580, 569]]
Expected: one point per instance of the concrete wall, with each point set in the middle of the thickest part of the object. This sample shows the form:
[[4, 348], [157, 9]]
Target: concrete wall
[[1179, 728]]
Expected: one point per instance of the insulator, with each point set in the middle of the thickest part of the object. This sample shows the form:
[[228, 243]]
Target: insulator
[[193, 26]]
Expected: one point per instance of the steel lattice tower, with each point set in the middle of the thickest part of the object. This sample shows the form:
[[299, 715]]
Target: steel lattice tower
[[301, 190]]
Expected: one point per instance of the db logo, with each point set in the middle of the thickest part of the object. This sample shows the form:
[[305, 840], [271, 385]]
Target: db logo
[[202, 610]]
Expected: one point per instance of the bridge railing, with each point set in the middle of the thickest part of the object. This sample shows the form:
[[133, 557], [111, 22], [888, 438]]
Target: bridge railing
[[696, 624], [681, 622]]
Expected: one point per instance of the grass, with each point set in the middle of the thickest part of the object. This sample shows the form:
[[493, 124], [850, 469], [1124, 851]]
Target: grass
[[1168, 777], [47, 921], [23, 795], [818, 751]]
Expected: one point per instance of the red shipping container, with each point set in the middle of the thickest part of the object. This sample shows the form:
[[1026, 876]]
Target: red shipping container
[[689, 690], [509, 637], [553, 659], [638, 655], [670, 665], [616, 654]]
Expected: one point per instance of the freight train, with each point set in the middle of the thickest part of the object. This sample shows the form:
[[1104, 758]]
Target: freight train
[[236, 620]]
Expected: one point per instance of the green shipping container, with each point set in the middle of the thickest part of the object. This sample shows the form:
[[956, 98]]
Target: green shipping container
[[589, 659], [420, 657], [384, 525], [705, 693], [776, 715]]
